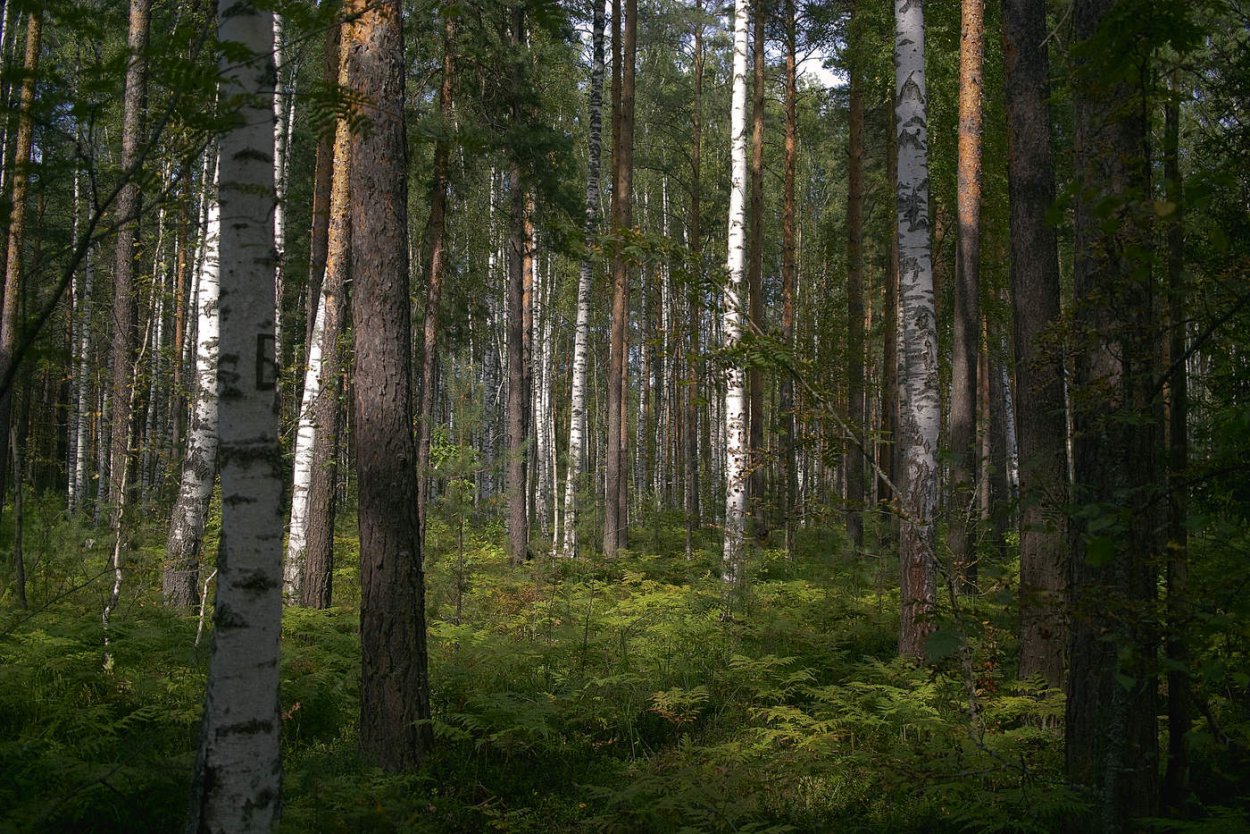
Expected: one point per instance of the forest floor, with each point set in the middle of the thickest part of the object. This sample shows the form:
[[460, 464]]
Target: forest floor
[[567, 695]]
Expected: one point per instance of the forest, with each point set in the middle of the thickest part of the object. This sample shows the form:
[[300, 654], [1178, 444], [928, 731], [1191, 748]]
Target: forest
[[627, 416]]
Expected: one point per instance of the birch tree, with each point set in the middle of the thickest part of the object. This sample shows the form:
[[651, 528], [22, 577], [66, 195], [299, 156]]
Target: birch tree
[[735, 409], [179, 584], [237, 784], [920, 417], [581, 336]]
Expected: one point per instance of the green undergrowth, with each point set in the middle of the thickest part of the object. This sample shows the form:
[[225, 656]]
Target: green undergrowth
[[623, 696]]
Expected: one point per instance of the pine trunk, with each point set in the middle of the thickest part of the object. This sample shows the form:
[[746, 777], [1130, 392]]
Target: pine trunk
[[855, 309], [755, 279]]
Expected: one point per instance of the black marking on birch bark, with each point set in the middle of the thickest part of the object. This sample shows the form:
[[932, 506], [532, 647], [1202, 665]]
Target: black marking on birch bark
[[245, 728], [266, 366]]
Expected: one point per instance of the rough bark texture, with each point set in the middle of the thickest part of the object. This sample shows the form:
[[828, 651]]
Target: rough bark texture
[[434, 266], [581, 337], [615, 518], [128, 208], [518, 369], [180, 583], [395, 692], [855, 311], [10, 307], [238, 775], [920, 416], [735, 409], [755, 276], [1041, 424], [887, 452], [318, 243], [1110, 728], [966, 322]]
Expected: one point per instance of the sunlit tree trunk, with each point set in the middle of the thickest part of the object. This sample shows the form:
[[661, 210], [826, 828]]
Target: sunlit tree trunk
[[1041, 422], [318, 580], [967, 314], [179, 584], [395, 693], [237, 786], [10, 307], [735, 408], [921, 406], [301, 478], [581, 337]]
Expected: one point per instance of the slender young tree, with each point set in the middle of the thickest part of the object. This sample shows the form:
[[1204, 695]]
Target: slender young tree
[[921, 406], [1110, 731], [1040, 417], [855, 300], [179, 584], [237, 785], [735, 407], [581, 337], [695, 294], [1180, 699], [129, 202], [435, 233], [395, 689], [316, 588], [755, 275], [789, 275]]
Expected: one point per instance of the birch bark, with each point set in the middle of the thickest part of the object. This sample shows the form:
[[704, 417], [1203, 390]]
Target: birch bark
[[238, 773], [581, 337], [921, 406], [735, 408], [179, 584]]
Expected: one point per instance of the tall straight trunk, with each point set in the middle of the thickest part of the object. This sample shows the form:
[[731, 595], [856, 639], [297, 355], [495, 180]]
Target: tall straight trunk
[[395, 687], [920, 417], [789, 272], [301, 477], [695, 294], [10, 307], [180, 581], [317, 585], [855, 308], [82, 382], [434, 266], [518, 367], [617, 488], [755, 277], [1176, 782], [887, 452], [735, 408], [129, 203], [581, 337], [283, 105], [1041, 422], [324, 167], [1110, 728], [238, 776], [183, 265], [967, 315]]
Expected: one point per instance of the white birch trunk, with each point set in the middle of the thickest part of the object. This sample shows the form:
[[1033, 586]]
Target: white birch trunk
[[199, 464], [735, 413], [237, 786], [920, 405], [301, 480], [581, 337], [280, 136]]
